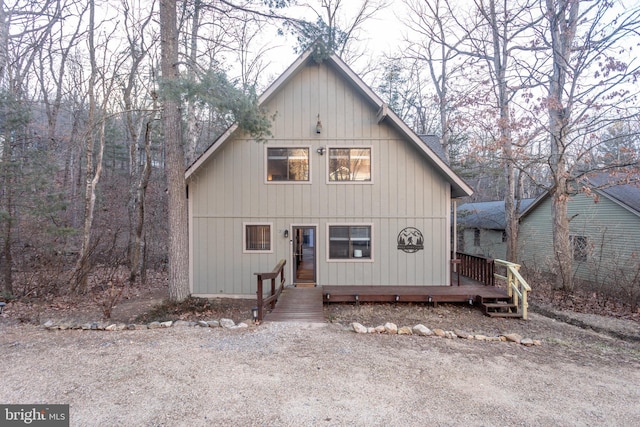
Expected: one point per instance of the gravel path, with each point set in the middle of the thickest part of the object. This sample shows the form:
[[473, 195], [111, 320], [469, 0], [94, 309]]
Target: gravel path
[[295, 374]]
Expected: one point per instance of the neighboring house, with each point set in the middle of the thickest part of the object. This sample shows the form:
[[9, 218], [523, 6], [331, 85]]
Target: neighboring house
[[604, 227], [343, 190], [481, 228]]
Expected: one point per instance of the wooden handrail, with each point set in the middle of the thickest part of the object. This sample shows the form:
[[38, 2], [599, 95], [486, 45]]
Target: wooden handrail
[[274, 294], [475, 267], [517, 287]]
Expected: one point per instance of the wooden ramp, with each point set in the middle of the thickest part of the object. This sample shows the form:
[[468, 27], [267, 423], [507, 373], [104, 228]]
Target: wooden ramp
[[298, 305]]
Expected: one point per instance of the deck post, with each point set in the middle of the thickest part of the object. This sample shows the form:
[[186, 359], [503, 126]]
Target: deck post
[[259, 297]]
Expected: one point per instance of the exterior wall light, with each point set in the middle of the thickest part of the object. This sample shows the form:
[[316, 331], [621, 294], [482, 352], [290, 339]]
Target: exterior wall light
[[319, 125], [286, 233], [320, 151], [254, 314]]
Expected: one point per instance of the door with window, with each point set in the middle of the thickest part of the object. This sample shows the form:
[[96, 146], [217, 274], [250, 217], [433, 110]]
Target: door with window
[[304, 255]]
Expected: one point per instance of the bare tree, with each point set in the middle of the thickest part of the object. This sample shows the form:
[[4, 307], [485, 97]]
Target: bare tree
[[591, 84], [431, 22]]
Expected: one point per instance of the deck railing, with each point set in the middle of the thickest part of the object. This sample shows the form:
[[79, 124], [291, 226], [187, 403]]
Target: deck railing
[[475, 267], [274, 292], [517, 287]]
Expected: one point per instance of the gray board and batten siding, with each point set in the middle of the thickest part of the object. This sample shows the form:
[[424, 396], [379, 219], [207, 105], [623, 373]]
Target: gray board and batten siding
[[409, 187]]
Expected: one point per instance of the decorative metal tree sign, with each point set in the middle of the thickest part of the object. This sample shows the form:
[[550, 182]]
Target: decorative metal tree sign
[[410, 240]]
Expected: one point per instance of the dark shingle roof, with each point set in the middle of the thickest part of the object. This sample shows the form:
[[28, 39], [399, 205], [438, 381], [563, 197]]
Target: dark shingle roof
[[433, 142], [486, 215], [627, 194]]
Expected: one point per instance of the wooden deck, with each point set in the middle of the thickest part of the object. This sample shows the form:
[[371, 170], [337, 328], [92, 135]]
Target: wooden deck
[[429, 294], [306, 304]]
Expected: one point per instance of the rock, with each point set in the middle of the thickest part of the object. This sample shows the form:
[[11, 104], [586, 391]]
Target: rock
[[450, 334], [439, 332], [202, 323], [359, 328], [213, 323], [527, 342], [111, 327], [138, 327], [372, 331], [480, 338], [86, 326], [181, 323], [227, 323], [405, 330], [513, 338], [494, 339], [502, 338], [242, 325], [422, 330], [166, 324], [154, 325], [537, 342], [380, 329], [94, 326], [462, 334], [391, 328], [48, 324]]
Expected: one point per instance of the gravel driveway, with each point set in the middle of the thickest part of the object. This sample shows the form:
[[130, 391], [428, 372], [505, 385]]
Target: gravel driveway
[[297, 374]]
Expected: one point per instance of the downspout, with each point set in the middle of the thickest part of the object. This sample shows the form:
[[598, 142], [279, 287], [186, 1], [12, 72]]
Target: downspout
[[455, 231]]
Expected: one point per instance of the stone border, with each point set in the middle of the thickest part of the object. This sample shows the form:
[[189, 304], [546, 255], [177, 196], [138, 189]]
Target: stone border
[[107, 326], [421, 330]]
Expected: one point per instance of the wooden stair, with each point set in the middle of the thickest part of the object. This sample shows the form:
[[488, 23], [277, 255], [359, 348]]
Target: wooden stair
[[499, 307]]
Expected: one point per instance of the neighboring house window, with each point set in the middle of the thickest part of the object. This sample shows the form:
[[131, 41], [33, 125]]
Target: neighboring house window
[[461, 240], [288, 164], [349, 164], [257, 238], [580, 246], [476, 237], [504, 237], [350, 242]]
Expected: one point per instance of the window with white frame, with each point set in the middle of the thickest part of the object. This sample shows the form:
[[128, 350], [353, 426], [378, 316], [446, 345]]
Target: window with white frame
[[257, 238], [287, 164], [350, 242], [350, 164]]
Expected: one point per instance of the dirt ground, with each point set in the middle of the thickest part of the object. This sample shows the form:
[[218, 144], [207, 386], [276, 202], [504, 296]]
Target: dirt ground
[[296, 374]]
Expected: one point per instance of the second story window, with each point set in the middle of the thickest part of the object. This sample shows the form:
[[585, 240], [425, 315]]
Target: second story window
[[349, 164], [288, 164]]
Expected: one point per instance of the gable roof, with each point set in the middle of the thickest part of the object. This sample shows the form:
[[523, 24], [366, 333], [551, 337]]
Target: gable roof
[[626, 195], [459, 188], [487, 215]]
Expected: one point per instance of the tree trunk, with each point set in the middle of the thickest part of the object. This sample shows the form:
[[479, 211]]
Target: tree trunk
[[93, 172], [174, 164], [562, 15], [6, 191], [141, 193]]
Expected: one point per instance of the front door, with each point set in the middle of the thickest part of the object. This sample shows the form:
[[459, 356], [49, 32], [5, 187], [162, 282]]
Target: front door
[[304, 255]]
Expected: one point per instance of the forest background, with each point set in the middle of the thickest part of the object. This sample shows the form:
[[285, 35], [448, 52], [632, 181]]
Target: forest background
[[103, 104]]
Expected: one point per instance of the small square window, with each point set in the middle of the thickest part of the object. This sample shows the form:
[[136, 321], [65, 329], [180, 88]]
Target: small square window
[[257, 238], [349, 164]]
